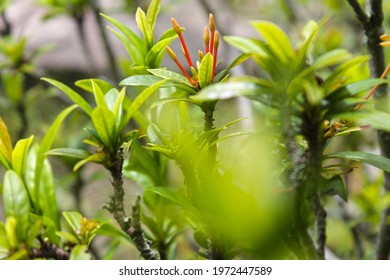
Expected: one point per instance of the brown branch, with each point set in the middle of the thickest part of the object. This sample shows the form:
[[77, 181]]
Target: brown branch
[[130, 225], [48, 251], [372, 25]]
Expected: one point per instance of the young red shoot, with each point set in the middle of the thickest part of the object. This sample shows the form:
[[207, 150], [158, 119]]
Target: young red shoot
[[212, 31], [215, 54], [174, 58], [177, 29], [372, 91], [206, 39]]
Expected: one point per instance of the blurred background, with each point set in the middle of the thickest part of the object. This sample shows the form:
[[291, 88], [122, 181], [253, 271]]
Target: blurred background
[[69, 41]]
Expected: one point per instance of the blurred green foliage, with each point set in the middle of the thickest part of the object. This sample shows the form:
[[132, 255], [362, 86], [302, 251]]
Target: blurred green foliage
[[215, 181]]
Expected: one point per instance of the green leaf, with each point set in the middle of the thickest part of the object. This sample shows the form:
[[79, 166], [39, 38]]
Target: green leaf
[[172, 195], [97, 158], [328, 59], [69, 152], [161, 149], [310, 32], [144, 26], [87, 85], [163, 101], [140, 100], [68, 237], [4, 248], [144, 162], [19, 155], [45, 146], [117, 106], [277, 40], [372, 159], [333, 186], [73, 219], [47, 194], [227, 90], [166, 74], [99, 95], [74, 96], [142, 80], [5, 145], [152, 13], [155, 135], [152, 58], [107, 229], [11, 232], [16, 202], [135, 45], [13, 84], [376, 119], [80, 252], [344, 71], [237, 61], [205, 71], [353, 89], [104, 122], [246, 45]]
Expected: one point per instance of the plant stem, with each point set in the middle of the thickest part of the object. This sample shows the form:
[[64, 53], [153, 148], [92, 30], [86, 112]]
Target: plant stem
[[132, 226], [297, 177], [48, 251], [208, 116], [372, 25], [216, 249]]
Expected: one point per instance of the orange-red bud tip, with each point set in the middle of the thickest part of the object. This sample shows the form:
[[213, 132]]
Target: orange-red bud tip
[[211, 23], [200, 55], [171, 53], [206, 35], [385, 44], [384, 37], [216, 40], [175, 26]]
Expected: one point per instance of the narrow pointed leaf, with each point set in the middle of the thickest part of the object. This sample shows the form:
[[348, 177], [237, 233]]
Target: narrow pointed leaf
[[152, 12], [154, 53], [205, 70], [80, 252], [134, 43], [142, 80], [144, 26], [74, 96], [45, 146], [223, 91], [16, 202], [368, 158], [87, 85], [104, 122], [19, 155], [97, 158], [5, 145], [277, 40], [73, 219], [47, 194], [237, 61], [69, 152], [166, 74], [140, 100], [99, 95], [333, 186]]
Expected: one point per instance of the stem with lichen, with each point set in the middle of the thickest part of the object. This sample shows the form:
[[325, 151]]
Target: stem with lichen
[[130, 225], [372, 24]]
